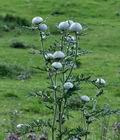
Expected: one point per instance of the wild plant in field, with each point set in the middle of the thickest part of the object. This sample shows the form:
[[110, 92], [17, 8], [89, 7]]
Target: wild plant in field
[[60, 61]]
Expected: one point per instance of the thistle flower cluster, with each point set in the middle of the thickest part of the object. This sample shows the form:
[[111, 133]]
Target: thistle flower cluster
[[60, 60], [70, 25], [100, 81], [38, 21]]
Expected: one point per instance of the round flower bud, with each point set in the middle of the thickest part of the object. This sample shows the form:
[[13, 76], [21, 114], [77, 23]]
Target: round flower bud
[[68, 85], [100, 81], [76, 27], [20, 125], [37, 20], [43, 27], [57, 65], [58, 55], [49, 56], [85, 98], [63, 25], [70, 39]]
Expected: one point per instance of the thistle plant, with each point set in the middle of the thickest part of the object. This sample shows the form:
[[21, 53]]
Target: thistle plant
[[60, 61]]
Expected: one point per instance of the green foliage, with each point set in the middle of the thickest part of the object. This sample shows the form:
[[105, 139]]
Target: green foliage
[[9, 70], [102, 20], [14, 71], [18, 45], [10, 22], [16, 20]]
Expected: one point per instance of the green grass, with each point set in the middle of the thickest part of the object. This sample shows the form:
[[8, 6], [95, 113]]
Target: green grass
[[103, 38]]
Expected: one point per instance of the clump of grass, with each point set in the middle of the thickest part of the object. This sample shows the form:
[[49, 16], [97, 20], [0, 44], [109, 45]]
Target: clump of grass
[[20, 45], [117, 13], [57, 13], [11, 95], [35, 109], [14, 71], [16, 19], [26, 74], [7, 70], [10, 22]]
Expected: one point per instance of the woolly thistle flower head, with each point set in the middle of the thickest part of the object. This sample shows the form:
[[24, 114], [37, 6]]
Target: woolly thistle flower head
[[76, 27], [85, 98], [57, 65], [48, 56], [20, 125], [58, 55], [43, 27], [37, 20], [100, 81], [68, 85], [63, 25]]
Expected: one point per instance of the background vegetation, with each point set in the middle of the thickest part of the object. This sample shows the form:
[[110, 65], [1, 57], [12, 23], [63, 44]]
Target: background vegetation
[[17, 76]]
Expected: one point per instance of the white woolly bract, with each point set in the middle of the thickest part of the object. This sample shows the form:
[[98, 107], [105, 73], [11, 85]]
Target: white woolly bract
[[19, 125], [85, 98], [63, 25], [43, 27], [57, 65], [76, 27], [37, 20], [59, 55], [49, 56], [100, 81], [68, 85]]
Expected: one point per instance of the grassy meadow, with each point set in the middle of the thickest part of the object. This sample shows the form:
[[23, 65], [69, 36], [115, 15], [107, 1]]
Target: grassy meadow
[[102, 40]]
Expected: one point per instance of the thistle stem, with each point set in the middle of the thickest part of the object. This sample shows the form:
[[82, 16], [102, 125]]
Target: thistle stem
[[87, 128], [75, 59], [54, 119], [69, 73], [76, 46], [42, 45], [60, 121], [62, 41], [55, 108]]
